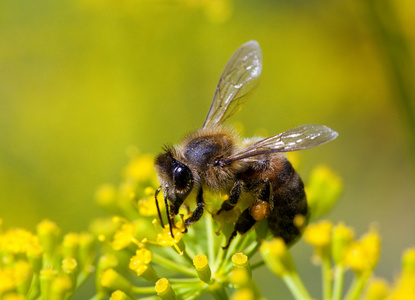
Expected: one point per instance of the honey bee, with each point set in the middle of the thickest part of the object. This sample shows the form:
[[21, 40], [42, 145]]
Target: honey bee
[[214, 158]]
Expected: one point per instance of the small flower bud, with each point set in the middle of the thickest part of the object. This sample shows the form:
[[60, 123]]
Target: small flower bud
[[202, 267], [112, 280], [70, 245], [241, 261], [60, 288], [86, 250], [34, 255], [319, 235], [342, 238], [378, 290], [48, 233], [119, 295], [23, 276], [408, 261], [47, 276], [105, 262], [243, 294], [240, 277], [277, 257], [323, 190], [70, 269], [106, 197], [164, 289]]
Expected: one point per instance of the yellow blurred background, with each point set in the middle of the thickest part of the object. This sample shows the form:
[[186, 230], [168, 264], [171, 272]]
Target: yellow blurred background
[[83, 81]]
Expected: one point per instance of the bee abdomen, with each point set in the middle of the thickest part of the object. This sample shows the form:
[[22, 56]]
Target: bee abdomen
[[289, 200]]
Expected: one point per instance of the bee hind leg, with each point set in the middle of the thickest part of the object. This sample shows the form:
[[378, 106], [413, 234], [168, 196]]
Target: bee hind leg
[[257, 212], [242, 225]]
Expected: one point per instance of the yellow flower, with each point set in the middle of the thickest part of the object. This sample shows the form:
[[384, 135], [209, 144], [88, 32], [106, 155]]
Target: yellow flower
[[319, 234], [363, 255], [124, 236], [147, 206], [404, 288], [165, 238], [18, 241], [141, 168], [342, 238], [139, 262], [7, 281], [106, 195]]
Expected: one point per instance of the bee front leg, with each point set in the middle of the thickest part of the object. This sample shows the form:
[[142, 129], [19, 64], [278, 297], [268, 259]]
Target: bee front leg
[[233, 198], [198, 212]]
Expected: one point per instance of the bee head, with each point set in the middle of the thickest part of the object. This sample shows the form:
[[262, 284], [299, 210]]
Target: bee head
[[175, 177]]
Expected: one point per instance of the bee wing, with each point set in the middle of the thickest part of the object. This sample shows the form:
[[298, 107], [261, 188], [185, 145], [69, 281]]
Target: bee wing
[[298, 138], [239, 77]]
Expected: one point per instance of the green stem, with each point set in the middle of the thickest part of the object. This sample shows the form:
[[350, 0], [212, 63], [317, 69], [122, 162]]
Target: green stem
[[184, 280], [257, 264], [219, 293], [356, 289], [211, 239], [144, 290], [252, 249], [34, 291], [296, 286], [189, 287], [338, 282], [172, 265], [326, 277]]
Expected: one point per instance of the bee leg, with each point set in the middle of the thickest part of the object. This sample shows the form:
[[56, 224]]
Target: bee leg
[[265, 192], [242, 225], [259, 210], [198, 212], [233, 198], [263, 205]]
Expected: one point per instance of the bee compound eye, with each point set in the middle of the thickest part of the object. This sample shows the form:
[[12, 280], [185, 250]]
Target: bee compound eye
[[182, 177]]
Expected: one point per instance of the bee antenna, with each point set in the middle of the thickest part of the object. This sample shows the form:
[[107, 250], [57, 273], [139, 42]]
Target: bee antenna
[[168, 213], [157, 205]]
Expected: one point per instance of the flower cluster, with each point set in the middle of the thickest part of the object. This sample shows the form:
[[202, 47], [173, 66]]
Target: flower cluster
[[140, 257], [184, 266], [43, 265]]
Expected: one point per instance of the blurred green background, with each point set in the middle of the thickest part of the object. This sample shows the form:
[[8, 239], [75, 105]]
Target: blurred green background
[[82, 81]]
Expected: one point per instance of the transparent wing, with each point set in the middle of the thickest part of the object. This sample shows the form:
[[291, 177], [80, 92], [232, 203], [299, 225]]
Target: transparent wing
[[239, 77], [298, 138]]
